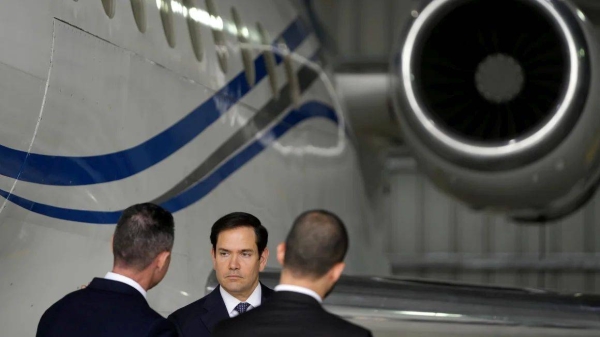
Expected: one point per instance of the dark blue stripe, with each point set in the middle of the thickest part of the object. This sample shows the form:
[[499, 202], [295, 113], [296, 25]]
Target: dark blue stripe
[[63, 171], [200, 189]]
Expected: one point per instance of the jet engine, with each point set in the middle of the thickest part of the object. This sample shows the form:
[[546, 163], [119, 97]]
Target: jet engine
[[499, 101]]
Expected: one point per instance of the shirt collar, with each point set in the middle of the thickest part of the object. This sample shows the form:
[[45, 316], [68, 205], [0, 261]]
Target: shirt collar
[[126, 280], [298, 289], [231, 302]]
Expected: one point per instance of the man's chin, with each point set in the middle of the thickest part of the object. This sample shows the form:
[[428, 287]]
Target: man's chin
[[234, 284]]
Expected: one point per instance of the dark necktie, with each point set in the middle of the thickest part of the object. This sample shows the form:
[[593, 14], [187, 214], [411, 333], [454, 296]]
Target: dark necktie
[[241, 307]]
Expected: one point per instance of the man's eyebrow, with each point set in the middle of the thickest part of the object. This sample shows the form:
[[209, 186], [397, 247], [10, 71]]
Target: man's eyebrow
[[224, 250]]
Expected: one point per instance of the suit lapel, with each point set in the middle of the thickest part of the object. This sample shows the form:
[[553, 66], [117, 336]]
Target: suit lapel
[[215, 310], [266, 292]]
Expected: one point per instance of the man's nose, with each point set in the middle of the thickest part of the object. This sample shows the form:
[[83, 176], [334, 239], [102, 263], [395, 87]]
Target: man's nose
[[234, 263]]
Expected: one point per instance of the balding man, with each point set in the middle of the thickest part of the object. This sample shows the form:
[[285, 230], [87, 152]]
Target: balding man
[[116, 304], [312, 258]]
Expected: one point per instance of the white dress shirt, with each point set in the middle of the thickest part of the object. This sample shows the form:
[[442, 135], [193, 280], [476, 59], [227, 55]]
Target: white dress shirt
[[126, 280], [298, 289], [231, 302]]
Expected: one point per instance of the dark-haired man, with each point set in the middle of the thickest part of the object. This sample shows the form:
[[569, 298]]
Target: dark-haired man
[[116, 304], [239, 252], [312, 258]]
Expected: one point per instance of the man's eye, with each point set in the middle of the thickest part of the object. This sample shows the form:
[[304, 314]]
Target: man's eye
[[224, 254]]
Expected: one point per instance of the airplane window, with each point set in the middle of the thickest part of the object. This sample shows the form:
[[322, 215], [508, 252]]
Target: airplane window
[[194, 28], [218, 36], [109, 7], [242, 33], [166, 16], [137, 6], [269, 59], [290, 73]]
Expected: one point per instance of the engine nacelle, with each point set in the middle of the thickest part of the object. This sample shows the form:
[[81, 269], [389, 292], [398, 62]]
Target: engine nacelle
[[500, 102]]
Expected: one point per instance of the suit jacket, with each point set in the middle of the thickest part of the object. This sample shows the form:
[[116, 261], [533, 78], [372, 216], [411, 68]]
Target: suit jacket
[[199, 318], [289, 314], [104, 308]]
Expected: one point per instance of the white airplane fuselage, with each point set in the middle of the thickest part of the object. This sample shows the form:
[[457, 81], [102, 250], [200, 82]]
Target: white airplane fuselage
[[99, 111]]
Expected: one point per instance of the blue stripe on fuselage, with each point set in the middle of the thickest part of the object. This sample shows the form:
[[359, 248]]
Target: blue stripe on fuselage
[[200, 189]]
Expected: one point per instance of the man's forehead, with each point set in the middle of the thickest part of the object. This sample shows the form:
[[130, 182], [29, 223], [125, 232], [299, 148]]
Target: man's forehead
[[240, 238]]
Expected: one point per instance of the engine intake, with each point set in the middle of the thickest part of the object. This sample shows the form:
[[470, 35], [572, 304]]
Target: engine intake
[[493, 84]]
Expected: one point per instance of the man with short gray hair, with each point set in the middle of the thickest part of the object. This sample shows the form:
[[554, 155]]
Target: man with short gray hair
[[116, 304]]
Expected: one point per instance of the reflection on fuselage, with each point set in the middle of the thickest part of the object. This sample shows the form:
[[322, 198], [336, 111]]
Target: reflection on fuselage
[[389, 328]]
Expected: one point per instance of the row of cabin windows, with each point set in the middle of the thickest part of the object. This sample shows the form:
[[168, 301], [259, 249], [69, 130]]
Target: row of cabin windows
[[166, 11]]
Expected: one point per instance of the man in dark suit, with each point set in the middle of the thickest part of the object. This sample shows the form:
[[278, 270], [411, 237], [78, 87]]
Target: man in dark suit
[[116, 304], [312, 258], [239, 252]]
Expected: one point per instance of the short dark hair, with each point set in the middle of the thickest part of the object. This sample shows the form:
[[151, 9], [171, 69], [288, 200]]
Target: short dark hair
[[236, 220], [143, 231], [317, 241]]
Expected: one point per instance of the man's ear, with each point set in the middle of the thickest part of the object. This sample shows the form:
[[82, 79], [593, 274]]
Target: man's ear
[[263, 259], [162, 259], [281, 253], [214, 260], [336, 272]]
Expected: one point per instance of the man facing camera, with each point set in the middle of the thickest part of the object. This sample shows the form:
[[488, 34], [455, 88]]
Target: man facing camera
[[312, 258], [239, 252], [116, 304]]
